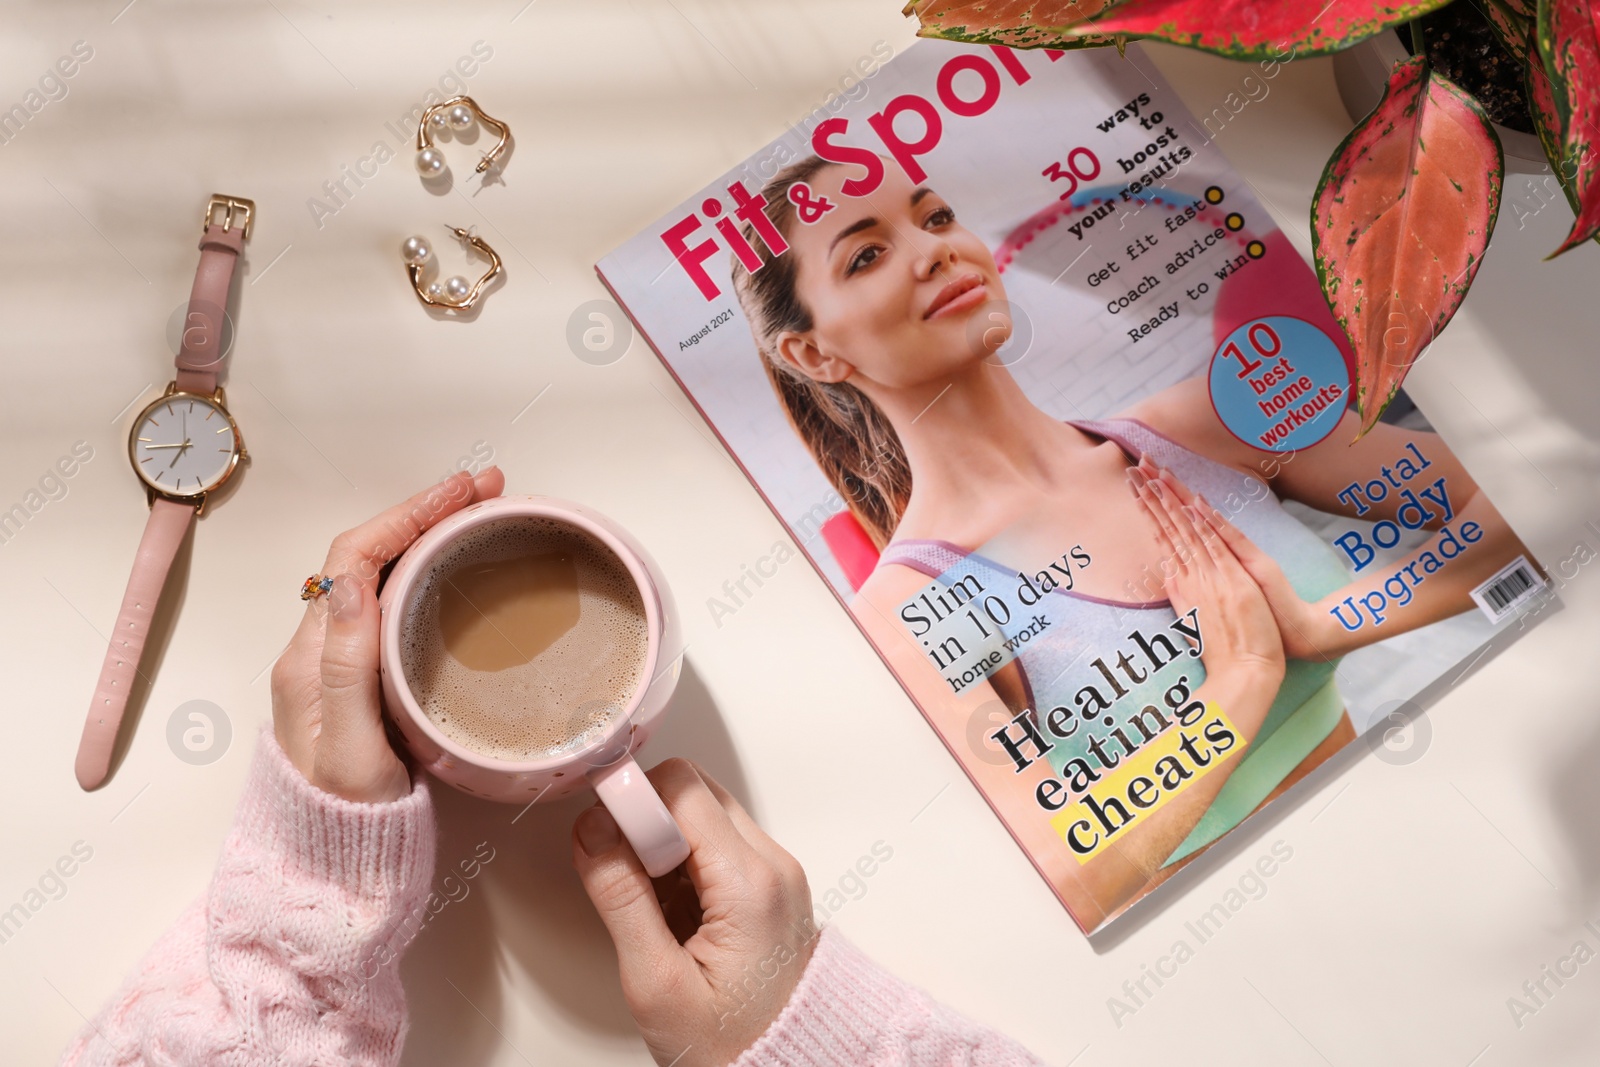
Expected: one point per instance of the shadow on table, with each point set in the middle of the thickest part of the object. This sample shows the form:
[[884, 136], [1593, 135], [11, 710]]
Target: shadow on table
[[527, 911], [1534, 308], [1575, 796]]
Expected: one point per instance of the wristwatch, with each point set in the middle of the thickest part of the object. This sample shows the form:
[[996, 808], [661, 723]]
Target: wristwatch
[[183, 446]]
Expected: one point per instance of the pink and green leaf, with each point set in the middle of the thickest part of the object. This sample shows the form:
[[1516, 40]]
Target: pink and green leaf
[[1257, 29], [1400, 222], [1014, 23], [1547, 124], [1514, 30], [1568, 33], [1526, 8]]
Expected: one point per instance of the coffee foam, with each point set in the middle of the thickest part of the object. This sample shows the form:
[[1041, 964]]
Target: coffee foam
[[567, 695]]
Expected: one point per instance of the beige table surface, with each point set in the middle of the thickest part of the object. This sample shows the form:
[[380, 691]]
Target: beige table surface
[[1419, 897]]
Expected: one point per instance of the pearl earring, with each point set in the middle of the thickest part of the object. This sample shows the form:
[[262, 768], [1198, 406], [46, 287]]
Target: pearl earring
[[457, 113], [455, 293]]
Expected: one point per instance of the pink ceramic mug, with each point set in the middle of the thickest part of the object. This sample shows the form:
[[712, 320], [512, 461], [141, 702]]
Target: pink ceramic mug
[[606, 763]]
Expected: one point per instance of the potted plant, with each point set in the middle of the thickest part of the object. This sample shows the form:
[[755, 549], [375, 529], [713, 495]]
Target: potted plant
[[1406, 205]]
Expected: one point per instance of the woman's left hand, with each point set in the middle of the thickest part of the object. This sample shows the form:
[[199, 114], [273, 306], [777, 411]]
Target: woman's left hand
[[1299, 623], [325, 692]]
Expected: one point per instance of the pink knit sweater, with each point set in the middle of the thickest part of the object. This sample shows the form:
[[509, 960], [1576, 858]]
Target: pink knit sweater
[[280, 961]]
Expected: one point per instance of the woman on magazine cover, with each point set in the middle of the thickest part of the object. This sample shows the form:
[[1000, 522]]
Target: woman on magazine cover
[[876, 329]]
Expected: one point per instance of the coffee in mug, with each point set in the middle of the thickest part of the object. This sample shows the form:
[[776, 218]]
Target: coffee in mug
[[529, 647], [525, 638]]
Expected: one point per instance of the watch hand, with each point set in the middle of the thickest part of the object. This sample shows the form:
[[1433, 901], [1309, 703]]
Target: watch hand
[[179, 445]]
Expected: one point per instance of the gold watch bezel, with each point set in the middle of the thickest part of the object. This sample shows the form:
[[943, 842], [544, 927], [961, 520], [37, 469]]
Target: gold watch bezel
[[217, 400]]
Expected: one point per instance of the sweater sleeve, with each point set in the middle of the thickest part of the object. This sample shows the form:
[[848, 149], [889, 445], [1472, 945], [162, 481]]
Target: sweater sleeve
[[292, 954], [848, 1010]]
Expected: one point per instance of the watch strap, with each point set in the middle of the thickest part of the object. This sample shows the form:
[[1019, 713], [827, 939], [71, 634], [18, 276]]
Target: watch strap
[[200, 349], [163, 534], [200, 355]]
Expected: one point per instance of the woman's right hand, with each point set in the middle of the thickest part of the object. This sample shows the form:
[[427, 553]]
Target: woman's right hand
[[710, 954], [1241, 640]]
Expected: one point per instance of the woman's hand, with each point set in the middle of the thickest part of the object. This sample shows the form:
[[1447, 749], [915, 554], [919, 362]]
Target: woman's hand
[[708, 966], [325, 692], [1240, 633], [1300, 623]]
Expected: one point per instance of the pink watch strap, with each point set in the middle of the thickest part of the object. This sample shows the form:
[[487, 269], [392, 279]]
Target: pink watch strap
[[169, 522], [200, 352], [200, 356]]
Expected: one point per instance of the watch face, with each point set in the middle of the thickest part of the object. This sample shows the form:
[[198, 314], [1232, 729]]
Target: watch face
[[184, 445]]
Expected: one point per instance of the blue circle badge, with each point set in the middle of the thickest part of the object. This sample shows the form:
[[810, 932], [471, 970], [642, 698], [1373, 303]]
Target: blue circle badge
[[1279, 383]]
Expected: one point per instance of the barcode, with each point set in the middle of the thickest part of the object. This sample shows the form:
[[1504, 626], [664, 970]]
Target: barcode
[[1507, 588], [1503, 593]]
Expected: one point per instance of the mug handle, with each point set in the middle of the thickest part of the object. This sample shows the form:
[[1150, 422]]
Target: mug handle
[[641, 815]]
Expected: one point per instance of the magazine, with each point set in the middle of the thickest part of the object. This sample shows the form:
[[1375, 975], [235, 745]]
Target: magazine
[[1036, 384]]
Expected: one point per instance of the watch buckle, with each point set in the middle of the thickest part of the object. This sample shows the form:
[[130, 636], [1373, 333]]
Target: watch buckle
[[231, 206]]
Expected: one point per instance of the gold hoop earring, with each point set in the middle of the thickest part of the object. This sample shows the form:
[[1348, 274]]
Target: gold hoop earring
[[454, 294], [457, 113]]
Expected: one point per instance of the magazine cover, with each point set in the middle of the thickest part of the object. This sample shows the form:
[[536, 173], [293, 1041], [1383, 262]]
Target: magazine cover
[[1037, 385]]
